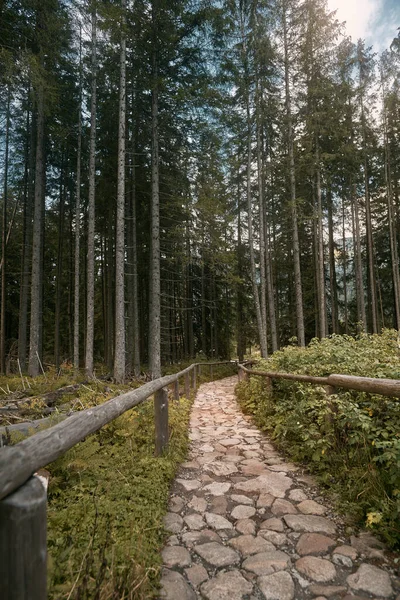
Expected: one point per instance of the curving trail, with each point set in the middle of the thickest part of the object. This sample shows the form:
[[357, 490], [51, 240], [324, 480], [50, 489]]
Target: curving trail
[[247, 525]]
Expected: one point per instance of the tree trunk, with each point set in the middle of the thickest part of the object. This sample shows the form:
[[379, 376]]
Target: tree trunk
[[370, 254], [392, 229], [133, 333], [293, 201], [4, 242], [91, 208], [320, 253], [155, 275], [203, 302], [240, 341], [344, 251], [189, 290], [317, 294], [256, 298], [268, 265], [103, 267], [110, 297], [261, 200], [260, 325], [136, 321], [37, 247], [332, 266], [70, 291], [27, 240], [119, 354], [361, 315], [368, 223], [78, 217], [61, 242], [215, 307]]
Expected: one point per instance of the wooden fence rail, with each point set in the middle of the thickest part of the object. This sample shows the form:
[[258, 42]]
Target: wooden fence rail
[[23, 497], [384, 387]]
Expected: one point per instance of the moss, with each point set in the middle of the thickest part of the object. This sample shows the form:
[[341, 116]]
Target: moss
[[107, 497]]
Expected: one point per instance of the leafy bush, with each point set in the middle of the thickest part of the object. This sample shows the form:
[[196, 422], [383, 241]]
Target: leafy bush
[[350, 439]]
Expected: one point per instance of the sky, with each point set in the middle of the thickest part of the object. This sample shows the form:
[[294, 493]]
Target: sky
[[376, 21]]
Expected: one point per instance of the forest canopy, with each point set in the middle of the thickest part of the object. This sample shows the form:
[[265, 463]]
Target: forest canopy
[[191, 178]]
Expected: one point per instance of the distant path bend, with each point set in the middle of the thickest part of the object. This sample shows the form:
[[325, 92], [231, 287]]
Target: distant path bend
[[246, 525]]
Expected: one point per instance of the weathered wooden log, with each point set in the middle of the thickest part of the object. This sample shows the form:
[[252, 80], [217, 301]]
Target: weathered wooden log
[[18, 463], [161, 420], [220, 362], [370, 385], [49, 398], [384, 387], [28, 427], [23, 548], [289, 376], [52, 397]]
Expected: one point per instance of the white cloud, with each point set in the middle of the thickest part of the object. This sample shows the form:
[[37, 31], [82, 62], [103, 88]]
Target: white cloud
[[385, 29], [360, 16]]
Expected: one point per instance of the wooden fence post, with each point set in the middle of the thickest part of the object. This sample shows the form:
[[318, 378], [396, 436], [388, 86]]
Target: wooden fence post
[[199, 370], [187, 385], [176, 390], [161, 419], [23, 543], [194, 380]]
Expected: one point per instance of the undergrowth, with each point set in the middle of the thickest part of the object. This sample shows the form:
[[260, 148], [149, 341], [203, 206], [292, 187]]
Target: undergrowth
[[34, 386], [107, 497], [351, 440], [108, 494]]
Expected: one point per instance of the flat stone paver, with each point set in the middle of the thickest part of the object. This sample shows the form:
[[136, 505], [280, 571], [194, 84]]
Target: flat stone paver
[[246, 524]]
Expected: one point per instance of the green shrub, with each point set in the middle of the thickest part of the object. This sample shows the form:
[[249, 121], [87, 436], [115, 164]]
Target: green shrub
[[350, 439]]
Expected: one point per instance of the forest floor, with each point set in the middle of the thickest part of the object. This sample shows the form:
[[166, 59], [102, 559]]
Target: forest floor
[[246, 524]]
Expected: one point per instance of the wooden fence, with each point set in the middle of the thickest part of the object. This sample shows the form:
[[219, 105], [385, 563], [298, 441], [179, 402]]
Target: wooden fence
[[384, 387], [23, 497]]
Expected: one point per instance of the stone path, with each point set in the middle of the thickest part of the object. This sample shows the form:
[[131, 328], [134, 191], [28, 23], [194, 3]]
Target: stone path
[[247, 525]]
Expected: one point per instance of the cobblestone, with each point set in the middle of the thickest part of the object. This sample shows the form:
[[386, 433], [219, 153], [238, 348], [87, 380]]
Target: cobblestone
[[247, 525]]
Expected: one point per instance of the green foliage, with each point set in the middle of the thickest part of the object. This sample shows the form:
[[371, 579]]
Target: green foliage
[[350, 439], [366, 356], [107, 497]]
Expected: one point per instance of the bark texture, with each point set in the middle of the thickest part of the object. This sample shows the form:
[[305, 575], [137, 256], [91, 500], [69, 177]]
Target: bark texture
[[119, 353], [91, 209]]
